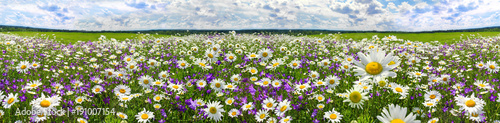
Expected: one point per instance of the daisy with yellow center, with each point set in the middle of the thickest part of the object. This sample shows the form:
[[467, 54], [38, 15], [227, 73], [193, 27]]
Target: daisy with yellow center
[[201, 83], [261, 115], [282, 107], [269, 104], [356, 97], [397, 114], [470, 104], [218, 85], [233, 113], [10, 100], [144, 116], [333, 116], [214, 111], [248, 106], [374, 65], [46, 103], [121, 90], [302, 87]]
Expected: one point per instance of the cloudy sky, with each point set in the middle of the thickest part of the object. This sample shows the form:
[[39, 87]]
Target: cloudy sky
[[382, 15]]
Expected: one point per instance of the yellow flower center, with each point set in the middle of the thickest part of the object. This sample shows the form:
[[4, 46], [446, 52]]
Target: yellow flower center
[[248, 106], [233, 113], [144, 116], [128, 59], [217, 85], [475, 114], [355, 97], [158, 98], [230, 101], [253, 71], [445, 79], [320, 83], [492, 66], [215, 48], [132, 67], [333, 116], [397, 121], [253, 55], [210, 55], [276, 64], [23, 67], [264, 54], [10, 100], [332, 81], [295, 64], [265, 82], [201, 83], [286, 120], [373, 68], [269, 105], [320, 98], [230, 86], [202, 64], [349, 59], [262, 116], [146, 81], [45, 103], [398, 89], [175, 87], [482, 85], [122, 91], [346, 67], [430, 104], [213, 110], [152, 63], [382, 83], [302, 86], [432, 96], [480, 65], [34, 65], [79, 100], [33, 85], [470, 103], [231, 57], [282, 109], [314, 76], [418, 74], [110, 73]]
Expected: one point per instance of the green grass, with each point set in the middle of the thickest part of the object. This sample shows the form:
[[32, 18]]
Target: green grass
[[67, 37], [444, 37]]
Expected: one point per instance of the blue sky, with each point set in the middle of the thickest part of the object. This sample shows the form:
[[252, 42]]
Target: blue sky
[[382, 15]]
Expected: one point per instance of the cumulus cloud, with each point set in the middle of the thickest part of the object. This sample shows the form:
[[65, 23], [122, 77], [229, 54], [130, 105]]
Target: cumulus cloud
[[383, 15]]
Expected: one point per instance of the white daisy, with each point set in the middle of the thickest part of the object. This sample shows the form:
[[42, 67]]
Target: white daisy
[[374, 65], [144, 116], [397, 114]]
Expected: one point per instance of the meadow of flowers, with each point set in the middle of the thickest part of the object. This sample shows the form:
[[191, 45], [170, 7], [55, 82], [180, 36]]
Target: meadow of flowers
[[249, 78]]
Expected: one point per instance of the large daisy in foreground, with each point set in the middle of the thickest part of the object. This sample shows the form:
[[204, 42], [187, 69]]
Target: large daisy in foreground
[[375, 65], [397, 114]]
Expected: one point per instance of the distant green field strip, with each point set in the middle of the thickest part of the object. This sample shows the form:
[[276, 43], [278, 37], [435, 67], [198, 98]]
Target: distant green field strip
[[444, 37], [67, 37]]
